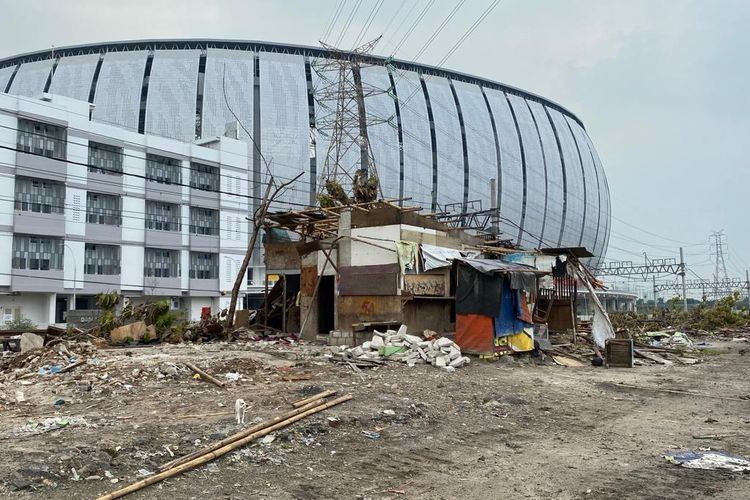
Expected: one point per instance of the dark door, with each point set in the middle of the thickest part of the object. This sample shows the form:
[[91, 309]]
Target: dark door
[[325, 304]]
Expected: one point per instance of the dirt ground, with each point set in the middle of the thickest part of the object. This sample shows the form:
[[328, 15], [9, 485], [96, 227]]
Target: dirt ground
[[504, 429]]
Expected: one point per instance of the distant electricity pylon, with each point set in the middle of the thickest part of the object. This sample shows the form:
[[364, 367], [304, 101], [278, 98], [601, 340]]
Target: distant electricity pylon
[[343, 119], [718, 247]]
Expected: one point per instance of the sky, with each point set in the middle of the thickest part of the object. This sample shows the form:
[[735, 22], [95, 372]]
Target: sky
[[660, 85]]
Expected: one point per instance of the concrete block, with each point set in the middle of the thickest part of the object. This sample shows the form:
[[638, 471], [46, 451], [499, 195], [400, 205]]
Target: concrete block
[[412, 339], [31, 341], [440, 362], [377, 341], [443, 341], [458, 362], [401, 330], [357, 351], [367, 345], [454, 353], [133, 332], [449, 368]]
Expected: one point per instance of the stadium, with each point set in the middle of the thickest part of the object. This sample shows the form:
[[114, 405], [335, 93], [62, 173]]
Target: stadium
[[450, 133]]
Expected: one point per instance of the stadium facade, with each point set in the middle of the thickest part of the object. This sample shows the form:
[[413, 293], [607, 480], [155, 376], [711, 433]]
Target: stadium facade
[[446, 134]]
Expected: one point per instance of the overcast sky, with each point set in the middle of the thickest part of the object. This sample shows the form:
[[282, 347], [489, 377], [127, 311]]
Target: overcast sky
[[660, 85]]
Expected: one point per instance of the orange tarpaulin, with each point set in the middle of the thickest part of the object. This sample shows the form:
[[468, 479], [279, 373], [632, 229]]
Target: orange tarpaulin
[[475, 333]]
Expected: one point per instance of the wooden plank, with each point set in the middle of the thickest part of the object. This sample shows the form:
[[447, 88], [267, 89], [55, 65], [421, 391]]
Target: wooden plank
[[369, 280], [433, 285]]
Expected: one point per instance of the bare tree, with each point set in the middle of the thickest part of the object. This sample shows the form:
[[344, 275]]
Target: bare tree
[[259, 216]]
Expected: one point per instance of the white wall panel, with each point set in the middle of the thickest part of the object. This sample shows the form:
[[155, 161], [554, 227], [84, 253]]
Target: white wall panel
[[555, 179], [73, 261], [172, 87], [480, 142], [131, 258], [574, 220], [285, 125], [118, 89], [536, 180], [5, 74], [511, 178], [6, 259], [383, 136], [593, 192], [449, 144], [600, 249], [73, 76], [415, 125], [234, 70], [31, 78]]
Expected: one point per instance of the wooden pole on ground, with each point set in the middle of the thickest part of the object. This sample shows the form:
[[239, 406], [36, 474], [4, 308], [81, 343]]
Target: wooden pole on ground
[[239, 435], [220, 452], [205, 375], [320, 395]]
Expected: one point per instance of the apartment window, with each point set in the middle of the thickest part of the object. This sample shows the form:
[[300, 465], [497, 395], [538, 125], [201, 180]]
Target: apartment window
[[41, 139], [204, 266], [163, 170], [33, 195], [162, 216], [102, 259], [103, 209], [38, 253], [204, 177], [105, 159], [161, 263], [204, 221]]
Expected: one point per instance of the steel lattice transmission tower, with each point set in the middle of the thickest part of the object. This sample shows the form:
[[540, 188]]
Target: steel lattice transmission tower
[[718, 247], [340, 96]]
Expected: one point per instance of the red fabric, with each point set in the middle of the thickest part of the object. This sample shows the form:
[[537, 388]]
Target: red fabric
[[475, 333], [525, 313]]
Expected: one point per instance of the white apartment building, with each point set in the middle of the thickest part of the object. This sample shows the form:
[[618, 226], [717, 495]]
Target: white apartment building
[[87, 207]]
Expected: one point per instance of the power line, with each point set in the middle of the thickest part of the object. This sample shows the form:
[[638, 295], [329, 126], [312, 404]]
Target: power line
[[439, 29], [332, 21], [367, 23], [348, 22], [416, 22]]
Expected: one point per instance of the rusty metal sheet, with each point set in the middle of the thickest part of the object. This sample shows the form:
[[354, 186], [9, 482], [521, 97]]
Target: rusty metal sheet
[[369, 280]]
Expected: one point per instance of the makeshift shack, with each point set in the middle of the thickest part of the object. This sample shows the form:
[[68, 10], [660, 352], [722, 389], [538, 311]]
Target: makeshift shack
[[370, 266], [494, 305]]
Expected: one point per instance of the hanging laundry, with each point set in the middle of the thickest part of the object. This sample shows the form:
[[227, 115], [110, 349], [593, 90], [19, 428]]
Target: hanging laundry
[[407, 255]]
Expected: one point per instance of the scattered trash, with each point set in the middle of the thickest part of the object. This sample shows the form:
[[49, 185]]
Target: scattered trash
[[50, 370], [266, 440], [371, 434], [232, 376], [52, 424], [59, 402], [709, 460]]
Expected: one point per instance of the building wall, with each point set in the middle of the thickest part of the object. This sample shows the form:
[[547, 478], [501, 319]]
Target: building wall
[[131, 235]]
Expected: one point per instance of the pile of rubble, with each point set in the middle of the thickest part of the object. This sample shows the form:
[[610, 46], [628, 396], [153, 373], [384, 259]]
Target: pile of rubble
[[440, 352]]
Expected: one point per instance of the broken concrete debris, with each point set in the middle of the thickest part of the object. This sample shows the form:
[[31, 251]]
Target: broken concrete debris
[[400, 346], [31, 341]]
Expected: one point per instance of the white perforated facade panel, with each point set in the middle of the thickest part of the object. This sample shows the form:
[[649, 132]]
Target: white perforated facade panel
[[31, 78], [536, 179], [574, 220], [172, 86], [555, 182], [511, 178], [118, 89], [449, 143], [236, 69], [593, 193], [5, 74], [73, 76], [415, 126], [480, 142], [383, 129], [285, 122]]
